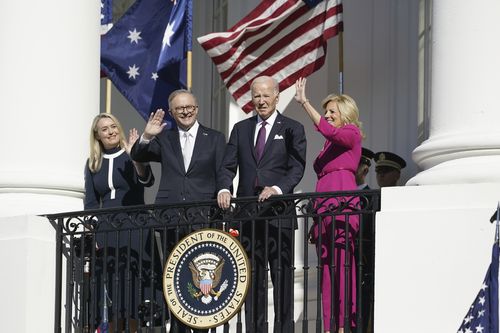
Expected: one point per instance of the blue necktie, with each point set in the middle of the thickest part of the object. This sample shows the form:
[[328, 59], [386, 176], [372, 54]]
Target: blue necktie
[[261, 141]]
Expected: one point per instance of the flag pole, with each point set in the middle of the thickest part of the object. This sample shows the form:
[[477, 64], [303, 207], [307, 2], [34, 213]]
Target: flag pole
[[341, 62], [497, 239], [189, 70], [108, 95], [189, 42]]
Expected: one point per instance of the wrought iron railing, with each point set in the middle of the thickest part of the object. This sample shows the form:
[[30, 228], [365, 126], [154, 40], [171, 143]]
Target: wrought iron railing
[[111, 260]]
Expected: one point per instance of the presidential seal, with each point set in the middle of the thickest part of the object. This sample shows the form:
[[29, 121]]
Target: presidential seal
[[206, 278]]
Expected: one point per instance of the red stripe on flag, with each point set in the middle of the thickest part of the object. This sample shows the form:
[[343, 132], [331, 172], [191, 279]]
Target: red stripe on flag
[[279, 65], [290, 80], [261, 8], [282, 42], [285, 40], [280, 38], [218, 40], [286, 82]]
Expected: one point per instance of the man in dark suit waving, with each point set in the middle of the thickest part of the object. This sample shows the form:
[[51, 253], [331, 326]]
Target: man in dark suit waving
[[190, 156], [270, 150]]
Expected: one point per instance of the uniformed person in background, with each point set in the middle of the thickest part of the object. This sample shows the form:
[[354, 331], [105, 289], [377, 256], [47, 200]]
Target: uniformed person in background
[[388, 168], [366, 243], [363, 168]]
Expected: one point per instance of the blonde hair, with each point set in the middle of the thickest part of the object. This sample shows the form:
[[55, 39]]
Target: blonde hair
[[96, 147], [349, 112]]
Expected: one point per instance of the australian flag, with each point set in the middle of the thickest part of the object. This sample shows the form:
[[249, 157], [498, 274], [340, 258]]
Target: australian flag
[[483, 314], [145, 52]]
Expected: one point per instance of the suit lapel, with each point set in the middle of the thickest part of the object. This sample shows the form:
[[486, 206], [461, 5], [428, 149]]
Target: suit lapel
[[251, 135], [200, 143], [278, 123], [175, 143]]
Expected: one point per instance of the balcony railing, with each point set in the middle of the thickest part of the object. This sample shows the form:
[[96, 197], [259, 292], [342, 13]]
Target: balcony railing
[[109, 262]]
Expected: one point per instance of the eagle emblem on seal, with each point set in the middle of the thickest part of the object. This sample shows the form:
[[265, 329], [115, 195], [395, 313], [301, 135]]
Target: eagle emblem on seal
[[206, 271]]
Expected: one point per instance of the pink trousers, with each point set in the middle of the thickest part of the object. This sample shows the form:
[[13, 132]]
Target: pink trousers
[[334, 264]]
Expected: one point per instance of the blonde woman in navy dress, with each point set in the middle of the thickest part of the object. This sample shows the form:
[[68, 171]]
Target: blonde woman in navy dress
[[112, 179], [336, 166]]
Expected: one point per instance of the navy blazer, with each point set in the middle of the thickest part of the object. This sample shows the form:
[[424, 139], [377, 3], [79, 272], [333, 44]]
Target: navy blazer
[[282, 163], [128, 186], [177, 185]]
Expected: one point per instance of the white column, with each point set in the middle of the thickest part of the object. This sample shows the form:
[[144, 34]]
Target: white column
[[49, 92], [433, 248], [464, 140]]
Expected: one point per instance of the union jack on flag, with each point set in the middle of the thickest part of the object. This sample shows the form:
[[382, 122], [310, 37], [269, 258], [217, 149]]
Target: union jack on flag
[[106, 16], [145, 53]]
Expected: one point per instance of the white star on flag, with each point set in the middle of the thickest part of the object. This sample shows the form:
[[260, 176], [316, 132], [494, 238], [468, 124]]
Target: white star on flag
[[134, 36], [106, 16], [133, 72], [482, 316], [169, 32], [131, 53]]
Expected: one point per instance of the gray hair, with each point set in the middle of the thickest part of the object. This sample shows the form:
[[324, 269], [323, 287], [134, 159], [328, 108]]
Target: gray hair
[[177, 92], [264, 78]]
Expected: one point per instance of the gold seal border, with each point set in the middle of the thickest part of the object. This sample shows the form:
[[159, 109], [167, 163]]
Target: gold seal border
[[234, 247]]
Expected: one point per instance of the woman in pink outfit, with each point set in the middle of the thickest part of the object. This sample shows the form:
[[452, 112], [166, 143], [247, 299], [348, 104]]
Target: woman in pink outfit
[[336, 166]]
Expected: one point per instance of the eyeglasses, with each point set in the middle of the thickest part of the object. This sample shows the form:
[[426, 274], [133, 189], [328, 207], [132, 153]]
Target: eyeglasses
[[188, 108]]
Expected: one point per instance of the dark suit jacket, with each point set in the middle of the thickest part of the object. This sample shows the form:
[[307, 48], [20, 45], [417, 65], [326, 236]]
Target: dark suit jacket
[[282, 163], [177, 185]]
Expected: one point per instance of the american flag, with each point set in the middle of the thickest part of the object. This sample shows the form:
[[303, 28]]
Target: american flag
[[285, 39], [482, 316]]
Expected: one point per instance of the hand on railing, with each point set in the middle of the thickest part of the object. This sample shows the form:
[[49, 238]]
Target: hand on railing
[[224, 200]]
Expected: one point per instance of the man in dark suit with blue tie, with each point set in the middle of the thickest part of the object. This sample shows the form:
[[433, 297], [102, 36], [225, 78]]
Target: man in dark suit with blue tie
[[190, 156], [270, 150]]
